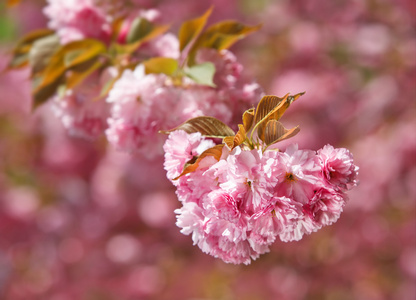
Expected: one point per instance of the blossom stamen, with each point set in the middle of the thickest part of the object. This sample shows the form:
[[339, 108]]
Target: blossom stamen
[[290, 177]]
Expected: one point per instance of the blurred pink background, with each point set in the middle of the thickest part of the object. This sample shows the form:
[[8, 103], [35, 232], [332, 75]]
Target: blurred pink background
[[79, 220]]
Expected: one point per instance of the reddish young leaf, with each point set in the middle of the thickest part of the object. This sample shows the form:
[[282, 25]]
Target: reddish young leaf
[[237, 140], [271, 108], [215, 152], [76, 77], [248, 118], [276, 132], [71, 55], [224, 34], [207, 126], [192, 28]]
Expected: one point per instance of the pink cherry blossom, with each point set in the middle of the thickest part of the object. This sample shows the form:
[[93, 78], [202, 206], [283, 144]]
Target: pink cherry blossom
[[223, 205], [241, 173], [326, 206], [217, 217], [81, 110], [166, 45], [296, 172], [303, 225], [338, 167], [139, 105], [78, 19], [222, 227], [323, 209], [278, 217], [190, 218]]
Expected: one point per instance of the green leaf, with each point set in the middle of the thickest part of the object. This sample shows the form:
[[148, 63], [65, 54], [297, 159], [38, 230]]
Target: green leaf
[[18, 61], [80, 51], [224, 34], [143, 30], [165, 65], [79, 74], [41, 52], [139, 28], [41, 93], [156, 31], [192, 28], [131, 47], [193, 164], [207, 126], [8, 28], [69, 56], [202, 73], [21, 51], [276, 132], [31, 37]]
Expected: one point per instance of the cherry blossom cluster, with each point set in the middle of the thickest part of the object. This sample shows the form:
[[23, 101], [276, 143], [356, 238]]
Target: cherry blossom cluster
[[238, 200]]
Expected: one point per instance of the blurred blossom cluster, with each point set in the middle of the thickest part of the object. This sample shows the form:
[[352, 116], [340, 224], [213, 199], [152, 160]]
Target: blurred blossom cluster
[[114, 70], [81, 220]]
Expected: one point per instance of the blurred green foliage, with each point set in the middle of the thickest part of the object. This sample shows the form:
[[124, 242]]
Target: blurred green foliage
[[8, 28]]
